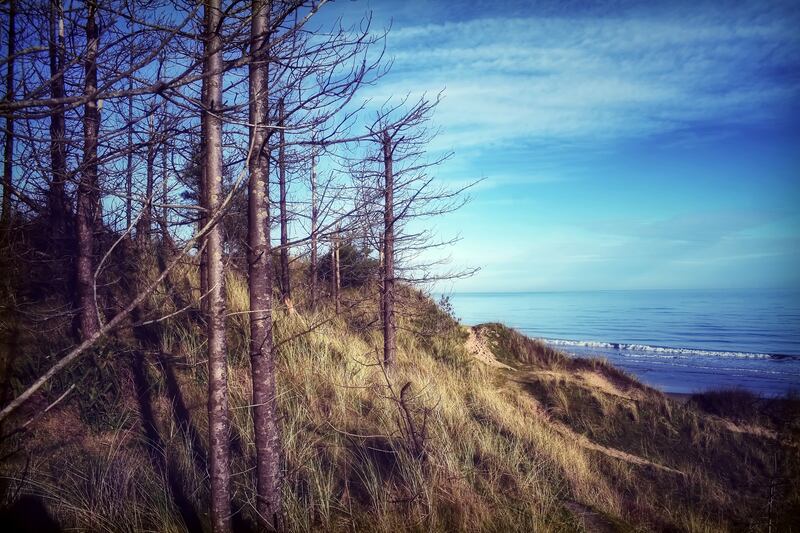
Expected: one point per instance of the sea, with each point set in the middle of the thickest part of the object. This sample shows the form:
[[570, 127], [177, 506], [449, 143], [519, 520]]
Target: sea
[[679, 341]]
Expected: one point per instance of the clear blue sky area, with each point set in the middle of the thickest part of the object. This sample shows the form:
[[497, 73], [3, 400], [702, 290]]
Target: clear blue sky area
[[625, 144]]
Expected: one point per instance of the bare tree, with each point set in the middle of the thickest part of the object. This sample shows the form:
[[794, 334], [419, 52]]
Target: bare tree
[[314, 216], [336, 279], [395, 188], [388, 319], [144, 225], [129, 166], [58, 149], [260, 271], [286, 287], [8, 151], [87, 188], [218, 422], [164, 218]]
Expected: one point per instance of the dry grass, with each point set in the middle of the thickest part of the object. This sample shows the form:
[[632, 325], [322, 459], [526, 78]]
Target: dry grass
[[500, 450]]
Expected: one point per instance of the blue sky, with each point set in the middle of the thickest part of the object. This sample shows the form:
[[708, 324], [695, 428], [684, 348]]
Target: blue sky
[[623, 144]]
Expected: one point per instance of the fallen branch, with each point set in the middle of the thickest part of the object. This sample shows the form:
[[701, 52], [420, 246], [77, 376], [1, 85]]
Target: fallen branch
[[120, 317], [56, 402]]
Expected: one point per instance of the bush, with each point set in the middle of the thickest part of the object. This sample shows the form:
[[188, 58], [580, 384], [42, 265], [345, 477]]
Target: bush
[[356, 267], [737, 404], [99, 380]]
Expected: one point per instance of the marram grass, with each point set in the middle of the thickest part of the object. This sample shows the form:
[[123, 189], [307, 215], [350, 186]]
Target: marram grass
[[537, 448]]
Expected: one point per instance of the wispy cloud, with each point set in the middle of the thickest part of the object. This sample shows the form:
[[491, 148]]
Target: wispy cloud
[[574, 77], [572, 257], [622, 140]]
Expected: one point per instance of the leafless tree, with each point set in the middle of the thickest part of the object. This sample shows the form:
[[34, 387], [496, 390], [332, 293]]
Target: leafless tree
[[87, 187], [262, 358], [286, 287], [387, 307], [314, 231], [8, 151], [336, 279], [218, 422], [171, 87], [58, 207], [397, 173]]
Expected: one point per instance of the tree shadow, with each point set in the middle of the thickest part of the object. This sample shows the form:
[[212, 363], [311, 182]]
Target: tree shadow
[[28, 514], [156, 447], [241, 522], [149, 336], [181, 412]]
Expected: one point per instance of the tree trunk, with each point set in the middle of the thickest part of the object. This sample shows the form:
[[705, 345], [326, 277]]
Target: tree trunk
[[86, 215], [218, 423], [286, 288], [380, 278], [8, 152], [145, 221], [204, 215], [129, 169], [389, 325], [262, 358], [314, 215], [163, 220], [7, 344], [336, 281], [57, 200]]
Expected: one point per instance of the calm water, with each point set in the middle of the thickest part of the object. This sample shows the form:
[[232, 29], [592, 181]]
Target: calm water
[[678, 341]]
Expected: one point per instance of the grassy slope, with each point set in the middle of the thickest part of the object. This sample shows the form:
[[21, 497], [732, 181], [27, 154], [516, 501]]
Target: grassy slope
[[552, 445]]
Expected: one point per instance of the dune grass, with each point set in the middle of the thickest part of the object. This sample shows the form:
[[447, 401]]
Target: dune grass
[[468, 448]]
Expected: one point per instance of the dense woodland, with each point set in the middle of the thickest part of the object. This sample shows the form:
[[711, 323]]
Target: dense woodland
[[232, 136]]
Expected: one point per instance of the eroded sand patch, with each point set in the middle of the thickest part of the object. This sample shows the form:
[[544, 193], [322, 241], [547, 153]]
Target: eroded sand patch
[[479, 349]]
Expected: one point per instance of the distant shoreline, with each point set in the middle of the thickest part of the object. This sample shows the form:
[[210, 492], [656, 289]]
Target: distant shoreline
[[679, 341], [680, 397]]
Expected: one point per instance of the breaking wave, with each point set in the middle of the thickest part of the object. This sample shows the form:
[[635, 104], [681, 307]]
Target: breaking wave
[[663, 351]]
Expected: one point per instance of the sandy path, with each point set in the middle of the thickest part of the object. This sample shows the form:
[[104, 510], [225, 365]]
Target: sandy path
[[478, 348], [584, 442]]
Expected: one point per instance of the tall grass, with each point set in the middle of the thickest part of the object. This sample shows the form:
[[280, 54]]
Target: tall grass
[[491, 457]]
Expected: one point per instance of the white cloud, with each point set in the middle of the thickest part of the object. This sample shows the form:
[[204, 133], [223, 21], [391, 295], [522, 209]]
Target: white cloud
[[525, 97], [563, 78]]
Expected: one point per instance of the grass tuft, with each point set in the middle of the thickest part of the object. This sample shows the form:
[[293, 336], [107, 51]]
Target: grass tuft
[[555, 444]]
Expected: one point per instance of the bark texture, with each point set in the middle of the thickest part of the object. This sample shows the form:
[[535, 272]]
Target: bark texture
[[87, 187], [336, 280], [8, 151], [286, 288], [146, 219], [204, 215], [262, 359], [57, 201], [218, 422], [314, 215], [389, 324]]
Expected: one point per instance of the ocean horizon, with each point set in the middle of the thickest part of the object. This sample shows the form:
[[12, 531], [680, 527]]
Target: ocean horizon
[[677, 340]]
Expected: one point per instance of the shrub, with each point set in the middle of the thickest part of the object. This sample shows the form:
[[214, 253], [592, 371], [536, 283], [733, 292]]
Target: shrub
[[737, 404], [356, 267]]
